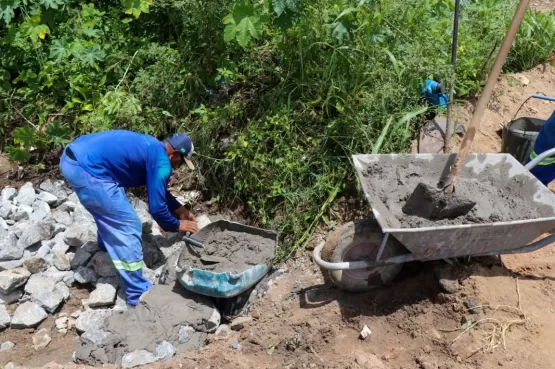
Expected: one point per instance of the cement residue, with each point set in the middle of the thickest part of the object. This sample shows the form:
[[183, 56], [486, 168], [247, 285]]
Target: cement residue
[[229, 251], [164, 314], [498, 196]]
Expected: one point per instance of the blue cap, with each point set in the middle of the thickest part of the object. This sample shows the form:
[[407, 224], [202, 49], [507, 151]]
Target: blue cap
[[184, 145]]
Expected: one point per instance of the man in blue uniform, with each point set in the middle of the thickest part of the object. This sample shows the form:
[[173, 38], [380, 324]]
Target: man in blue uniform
[[545, 170], [99, 166]]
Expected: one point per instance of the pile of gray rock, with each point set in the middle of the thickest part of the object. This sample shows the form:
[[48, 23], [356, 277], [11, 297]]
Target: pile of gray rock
[[48, 245]]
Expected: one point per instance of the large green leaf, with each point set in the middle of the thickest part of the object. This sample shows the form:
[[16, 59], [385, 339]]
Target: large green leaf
[[136, 7], [25, 136], [53, 4], [59, 49], [18, 154], [91, 55], [7, 9], [244, 23], [58, 134]]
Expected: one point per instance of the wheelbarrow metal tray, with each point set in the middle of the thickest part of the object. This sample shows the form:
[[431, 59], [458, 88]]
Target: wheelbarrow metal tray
[[224, 284], [445, 241]]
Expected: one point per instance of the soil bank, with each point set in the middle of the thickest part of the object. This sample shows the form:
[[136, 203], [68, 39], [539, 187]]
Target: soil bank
[[498, 196], [229, 251]]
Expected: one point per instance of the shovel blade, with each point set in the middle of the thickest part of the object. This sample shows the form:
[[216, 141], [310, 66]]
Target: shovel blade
[[433, 204]]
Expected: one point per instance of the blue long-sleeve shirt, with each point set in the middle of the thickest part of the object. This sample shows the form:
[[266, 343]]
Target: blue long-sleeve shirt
[[131, 159]]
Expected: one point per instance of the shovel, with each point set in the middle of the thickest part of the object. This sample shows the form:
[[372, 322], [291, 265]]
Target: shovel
[[440, 203]]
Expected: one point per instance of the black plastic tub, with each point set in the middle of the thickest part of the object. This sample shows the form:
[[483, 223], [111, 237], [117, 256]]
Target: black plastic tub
[[519, 137]]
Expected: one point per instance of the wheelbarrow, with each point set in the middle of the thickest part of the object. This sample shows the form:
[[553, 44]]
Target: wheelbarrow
[[368, 254]]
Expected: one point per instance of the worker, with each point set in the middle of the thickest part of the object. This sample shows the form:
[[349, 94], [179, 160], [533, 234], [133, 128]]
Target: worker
[[100, 166], [545, 170]]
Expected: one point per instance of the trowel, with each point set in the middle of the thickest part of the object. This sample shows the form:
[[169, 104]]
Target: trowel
[[193, 241]]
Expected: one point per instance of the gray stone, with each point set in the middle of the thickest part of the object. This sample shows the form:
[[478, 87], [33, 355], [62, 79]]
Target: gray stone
[[41, 339], [95, 336], [43, 250], [67, 207], [81, 258], [79, 233], [40, 283], [91, 247], [9, 248], [136, 358], [223, 332], [103, 265], [185, 333], [10, 298], [26, 195], [164, 351], [3, 225], [82, 215], [18, 215], [9, 365], [60, 261], [35, 264], [49, 301], [8, 194], [12, 279], [12, 264], [38, 216], [138, 204], [239, 323], [62, 322], [7, 346], [85, 275], [63, 289], [28, 315], [58, 228], [73, 198], [152, 255], [202, 221], [103, 295], [48, 198], [56, 188], [35, 233], [90, 319], [62, 217], [6, 210], [58, 244], [58, 276], [150, 275], [5, 317], [213, 322]]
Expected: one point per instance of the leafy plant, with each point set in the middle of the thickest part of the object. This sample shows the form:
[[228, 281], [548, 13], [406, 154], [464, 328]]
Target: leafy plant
[[244, 23]]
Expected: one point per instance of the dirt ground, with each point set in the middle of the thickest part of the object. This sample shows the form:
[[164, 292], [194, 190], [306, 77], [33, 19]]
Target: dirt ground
[[305, 322]]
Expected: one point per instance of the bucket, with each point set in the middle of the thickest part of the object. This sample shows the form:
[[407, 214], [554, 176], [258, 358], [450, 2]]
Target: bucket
[[519, 137]]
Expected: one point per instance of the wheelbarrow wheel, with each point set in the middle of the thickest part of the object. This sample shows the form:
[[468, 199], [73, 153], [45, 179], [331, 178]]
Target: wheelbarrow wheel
[[361, 240]]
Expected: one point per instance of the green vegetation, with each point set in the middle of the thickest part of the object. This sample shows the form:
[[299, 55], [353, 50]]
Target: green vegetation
[[276, 93]]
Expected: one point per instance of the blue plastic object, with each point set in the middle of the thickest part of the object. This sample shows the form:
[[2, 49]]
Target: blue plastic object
[[434, 95], [225, 284]]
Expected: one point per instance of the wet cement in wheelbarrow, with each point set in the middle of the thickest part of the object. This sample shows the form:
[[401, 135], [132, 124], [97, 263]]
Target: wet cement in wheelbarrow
[[229, 251], [498, 197]]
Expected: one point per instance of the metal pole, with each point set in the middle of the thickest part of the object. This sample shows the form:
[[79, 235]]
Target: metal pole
[[450, 125]]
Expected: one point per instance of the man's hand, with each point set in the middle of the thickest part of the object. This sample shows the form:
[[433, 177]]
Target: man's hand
[[188, 226], [184, 214]]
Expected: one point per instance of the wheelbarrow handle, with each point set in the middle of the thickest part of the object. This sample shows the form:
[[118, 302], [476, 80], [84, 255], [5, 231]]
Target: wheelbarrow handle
[[543, 97], [539, 158]]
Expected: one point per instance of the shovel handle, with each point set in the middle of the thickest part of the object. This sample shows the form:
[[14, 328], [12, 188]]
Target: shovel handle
[[466, 145]]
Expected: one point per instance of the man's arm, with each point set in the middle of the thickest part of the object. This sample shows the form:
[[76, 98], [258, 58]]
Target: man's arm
[[180, 211], [157, 180]]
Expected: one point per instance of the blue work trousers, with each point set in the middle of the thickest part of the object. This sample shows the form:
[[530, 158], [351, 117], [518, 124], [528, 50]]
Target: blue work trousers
[[119, 227]]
